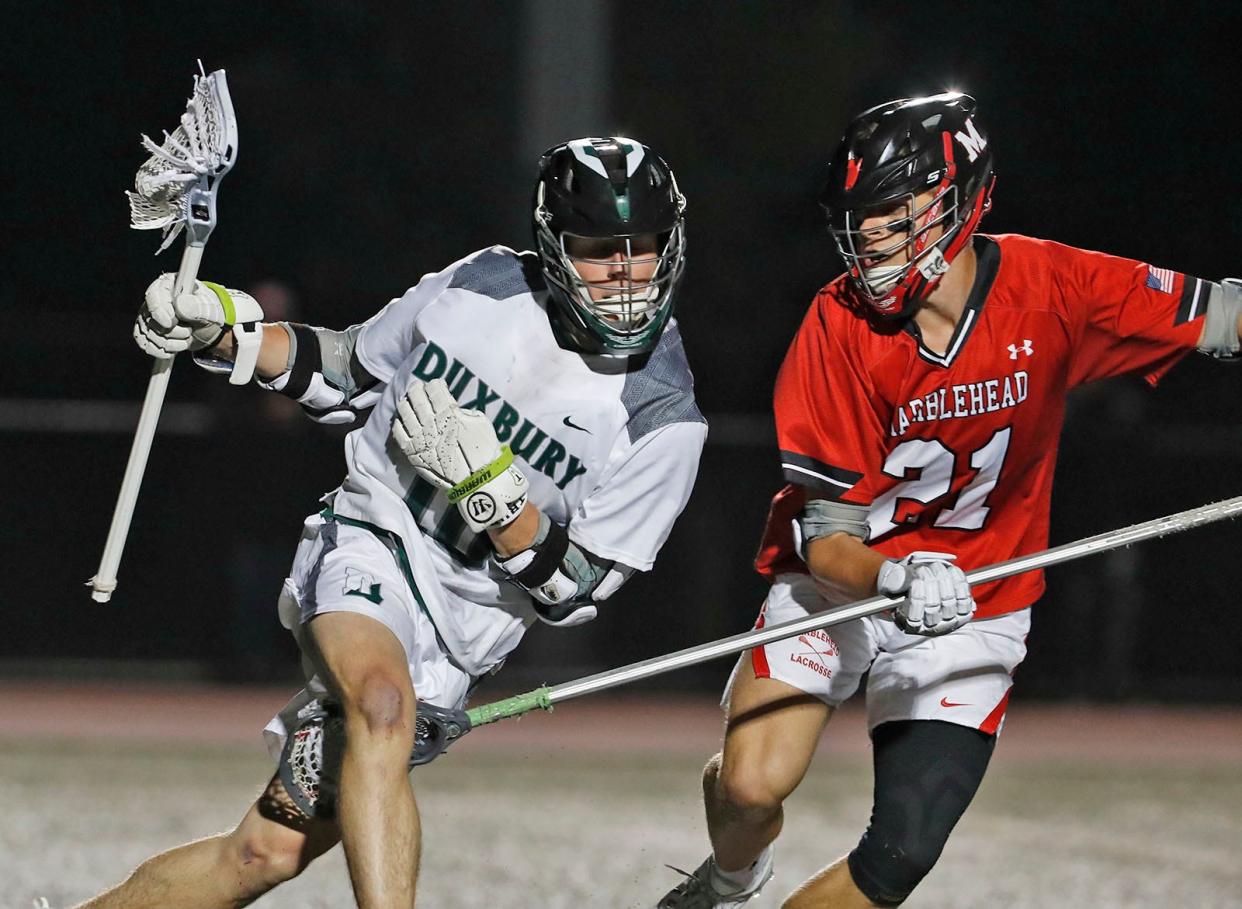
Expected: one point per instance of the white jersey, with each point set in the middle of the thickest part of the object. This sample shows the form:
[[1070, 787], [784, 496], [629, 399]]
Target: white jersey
[[609, 445]]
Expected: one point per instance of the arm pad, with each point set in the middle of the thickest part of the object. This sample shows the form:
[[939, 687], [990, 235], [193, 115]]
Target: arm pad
[[1220, 322], [324, 375], [821, 518], [556, 571]]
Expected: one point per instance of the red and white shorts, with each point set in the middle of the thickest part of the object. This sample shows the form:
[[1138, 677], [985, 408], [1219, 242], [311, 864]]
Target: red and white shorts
[[963, 677]]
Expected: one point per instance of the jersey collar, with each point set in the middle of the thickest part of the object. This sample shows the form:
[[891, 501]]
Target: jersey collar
[[988, 251]]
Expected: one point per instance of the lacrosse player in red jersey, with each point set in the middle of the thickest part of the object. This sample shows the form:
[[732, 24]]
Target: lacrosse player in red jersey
[[918, 411], [527, 434]]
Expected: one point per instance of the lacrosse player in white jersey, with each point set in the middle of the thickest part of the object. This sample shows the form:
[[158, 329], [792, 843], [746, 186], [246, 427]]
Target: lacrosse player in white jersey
[[532, 435]]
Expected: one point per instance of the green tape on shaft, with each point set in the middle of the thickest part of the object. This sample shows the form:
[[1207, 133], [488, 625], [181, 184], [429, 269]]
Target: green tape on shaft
[[515, 706]]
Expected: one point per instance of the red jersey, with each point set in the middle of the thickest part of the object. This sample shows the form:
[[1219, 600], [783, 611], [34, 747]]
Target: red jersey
[[955, 452]]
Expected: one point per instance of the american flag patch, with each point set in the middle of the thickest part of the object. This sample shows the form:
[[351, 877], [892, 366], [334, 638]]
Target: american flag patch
[[1160, 279]]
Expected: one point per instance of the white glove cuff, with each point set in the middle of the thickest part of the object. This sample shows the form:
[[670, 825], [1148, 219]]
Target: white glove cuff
[[491, 497], [248, 337], [242, 314]]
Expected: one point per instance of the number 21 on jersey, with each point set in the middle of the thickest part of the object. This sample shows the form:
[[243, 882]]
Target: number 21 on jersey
[[927, 466]]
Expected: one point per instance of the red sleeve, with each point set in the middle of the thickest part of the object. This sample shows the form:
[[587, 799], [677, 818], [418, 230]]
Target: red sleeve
[[828, 431], [1128, 316]]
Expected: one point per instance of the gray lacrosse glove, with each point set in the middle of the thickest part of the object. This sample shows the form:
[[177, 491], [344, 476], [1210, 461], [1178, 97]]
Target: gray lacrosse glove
[[937, 594], [457, 450]]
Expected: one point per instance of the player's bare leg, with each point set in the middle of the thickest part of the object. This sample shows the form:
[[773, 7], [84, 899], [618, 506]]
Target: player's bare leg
[[365, 666], [272, 844], [831, 888], [771, 731]]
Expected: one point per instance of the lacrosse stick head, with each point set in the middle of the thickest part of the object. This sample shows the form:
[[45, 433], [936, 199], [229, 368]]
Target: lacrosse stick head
[[311, 759], [176, 187], [435, 728]]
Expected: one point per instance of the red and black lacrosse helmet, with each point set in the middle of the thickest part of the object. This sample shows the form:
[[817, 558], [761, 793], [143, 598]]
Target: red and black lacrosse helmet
[[891, 154]]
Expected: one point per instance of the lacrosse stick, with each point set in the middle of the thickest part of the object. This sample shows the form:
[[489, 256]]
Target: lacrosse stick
[[452, 725], [175, 189], [312, 750]]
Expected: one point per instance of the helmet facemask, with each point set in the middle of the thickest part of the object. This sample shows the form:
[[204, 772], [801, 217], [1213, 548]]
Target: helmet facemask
[[885, 286]]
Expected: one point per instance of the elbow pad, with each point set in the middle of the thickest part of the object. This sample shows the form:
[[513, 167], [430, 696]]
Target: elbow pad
[[821, 518], [564, 580], [324, 375], [1220, 321]]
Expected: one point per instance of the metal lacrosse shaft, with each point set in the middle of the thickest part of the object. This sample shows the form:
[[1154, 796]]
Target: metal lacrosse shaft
[[544, 698]]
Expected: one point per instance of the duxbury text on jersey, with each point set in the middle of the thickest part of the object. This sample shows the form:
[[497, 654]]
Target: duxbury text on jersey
[[527, 441]]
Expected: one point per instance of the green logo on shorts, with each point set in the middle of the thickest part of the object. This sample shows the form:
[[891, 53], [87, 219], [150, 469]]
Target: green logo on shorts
[[373, 596]]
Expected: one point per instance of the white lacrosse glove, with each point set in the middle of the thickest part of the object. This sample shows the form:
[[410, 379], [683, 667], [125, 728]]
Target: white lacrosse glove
[[196, 321], [937, 594], [457, 450]]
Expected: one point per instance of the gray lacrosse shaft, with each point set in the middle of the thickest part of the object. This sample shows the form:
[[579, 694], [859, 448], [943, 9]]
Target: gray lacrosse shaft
[[1159, 527]]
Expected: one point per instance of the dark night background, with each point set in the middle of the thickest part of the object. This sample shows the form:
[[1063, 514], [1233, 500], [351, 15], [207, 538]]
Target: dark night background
[[380, 142]]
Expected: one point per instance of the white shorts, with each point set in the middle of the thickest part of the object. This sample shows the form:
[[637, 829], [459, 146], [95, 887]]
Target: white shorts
[[963, 677], [342, 568]]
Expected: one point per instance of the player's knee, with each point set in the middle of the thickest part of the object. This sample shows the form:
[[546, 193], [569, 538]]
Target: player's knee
[[750, 787], [264, 858], [926, 773], [886, 871], [383, 706]]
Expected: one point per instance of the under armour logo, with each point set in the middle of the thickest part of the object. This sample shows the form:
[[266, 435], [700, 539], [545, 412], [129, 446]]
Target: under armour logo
[[1026, 348]]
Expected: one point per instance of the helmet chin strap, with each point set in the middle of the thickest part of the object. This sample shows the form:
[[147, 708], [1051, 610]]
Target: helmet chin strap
[[622, 306], [881, 278], [933, 265]]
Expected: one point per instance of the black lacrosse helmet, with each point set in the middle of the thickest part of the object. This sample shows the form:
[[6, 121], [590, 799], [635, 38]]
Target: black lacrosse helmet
[[611, 188], [889, 156]]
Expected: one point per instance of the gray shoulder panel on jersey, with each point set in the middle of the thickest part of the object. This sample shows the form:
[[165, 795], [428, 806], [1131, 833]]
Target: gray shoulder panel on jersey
[[660, 390], [499, 274]]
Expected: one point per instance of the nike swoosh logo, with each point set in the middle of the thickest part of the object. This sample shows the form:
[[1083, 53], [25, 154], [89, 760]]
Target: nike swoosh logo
[[945, 702], [573, 425]]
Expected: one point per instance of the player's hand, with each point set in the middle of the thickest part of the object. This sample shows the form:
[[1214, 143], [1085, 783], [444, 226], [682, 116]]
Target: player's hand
[[937, 594], [157, 330], [195, 320], [456, 449]]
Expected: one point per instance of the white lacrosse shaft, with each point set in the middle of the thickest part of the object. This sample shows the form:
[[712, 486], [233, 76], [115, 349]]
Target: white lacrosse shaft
[[104, 581], [1114, 539], [175, 191]]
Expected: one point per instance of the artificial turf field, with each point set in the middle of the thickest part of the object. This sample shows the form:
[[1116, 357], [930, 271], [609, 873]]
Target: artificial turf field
[[1087, 807]]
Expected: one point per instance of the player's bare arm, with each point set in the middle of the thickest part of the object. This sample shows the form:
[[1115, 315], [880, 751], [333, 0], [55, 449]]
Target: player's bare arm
[[273, 352], [845, 567], [935, 597]]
